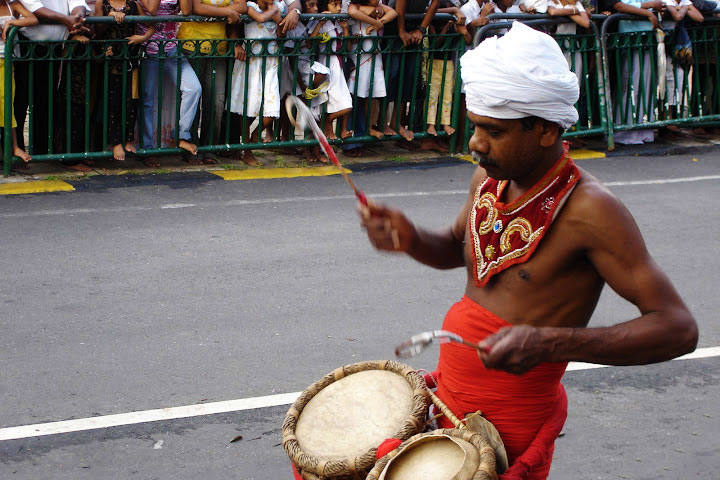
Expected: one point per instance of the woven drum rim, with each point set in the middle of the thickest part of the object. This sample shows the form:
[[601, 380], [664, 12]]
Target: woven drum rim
[[312, 466], [486, 469]]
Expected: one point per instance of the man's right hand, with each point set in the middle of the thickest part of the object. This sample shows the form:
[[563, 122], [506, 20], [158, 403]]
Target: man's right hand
[[72, 21], [387, 229], [405, 38]]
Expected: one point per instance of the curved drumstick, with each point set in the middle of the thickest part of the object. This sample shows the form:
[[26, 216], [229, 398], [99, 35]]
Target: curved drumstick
[[305, 119], [421, 341]]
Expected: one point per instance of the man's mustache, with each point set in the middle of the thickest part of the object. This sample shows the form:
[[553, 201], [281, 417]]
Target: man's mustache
[[482, 160]]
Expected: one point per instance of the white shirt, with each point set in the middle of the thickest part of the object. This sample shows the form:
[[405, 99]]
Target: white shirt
[[49, 31], [472, 10], [677, 4], [566, 28]]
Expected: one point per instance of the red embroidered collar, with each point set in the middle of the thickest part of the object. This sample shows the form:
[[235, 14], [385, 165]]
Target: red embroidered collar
[[503, 234]]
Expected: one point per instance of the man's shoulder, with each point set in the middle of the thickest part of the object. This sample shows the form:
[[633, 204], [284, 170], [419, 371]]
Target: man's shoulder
[[593, 210]]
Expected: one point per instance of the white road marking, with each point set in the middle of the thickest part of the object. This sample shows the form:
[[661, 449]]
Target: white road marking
[[76, 211], [172, 413], [662, 181]]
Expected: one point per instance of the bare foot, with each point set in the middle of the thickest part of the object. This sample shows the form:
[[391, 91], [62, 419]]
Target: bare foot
[[319, 155], [79, 167], [24, 156], [389, 131], [249, 159], [406, 134], [449, 130], [346, 134], [268, 136], [190, 147], [119, 152], [331, 135], [431, 130], [130, 148], [150, 161], [307, 154], [376, 133]]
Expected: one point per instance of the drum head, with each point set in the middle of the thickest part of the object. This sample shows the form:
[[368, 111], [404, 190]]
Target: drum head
[[434, 457], [354, 414]]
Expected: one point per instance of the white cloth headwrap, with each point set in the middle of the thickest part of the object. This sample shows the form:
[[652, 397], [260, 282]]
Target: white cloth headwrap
[[522, 74]]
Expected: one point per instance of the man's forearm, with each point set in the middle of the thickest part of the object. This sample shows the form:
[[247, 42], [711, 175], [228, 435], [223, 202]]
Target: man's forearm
[[46, 15], [625, 8], [430, 13], [400, 9], [651, 338], [437, 249]]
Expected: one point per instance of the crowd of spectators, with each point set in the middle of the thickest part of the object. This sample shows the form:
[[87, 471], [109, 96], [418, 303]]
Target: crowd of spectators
[[379, 91]]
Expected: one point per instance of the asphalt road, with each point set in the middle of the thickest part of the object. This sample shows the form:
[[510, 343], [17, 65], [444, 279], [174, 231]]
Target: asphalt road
[[125, 298]]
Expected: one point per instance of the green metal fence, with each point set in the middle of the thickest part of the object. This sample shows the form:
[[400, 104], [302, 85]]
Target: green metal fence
[[79, 80], [634, 69], [69, 116]]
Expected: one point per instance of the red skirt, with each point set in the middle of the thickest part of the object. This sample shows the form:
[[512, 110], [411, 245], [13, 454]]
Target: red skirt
[[528, 410]]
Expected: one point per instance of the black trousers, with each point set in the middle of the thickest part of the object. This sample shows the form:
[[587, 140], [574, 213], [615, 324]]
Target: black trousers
[[48, 91]]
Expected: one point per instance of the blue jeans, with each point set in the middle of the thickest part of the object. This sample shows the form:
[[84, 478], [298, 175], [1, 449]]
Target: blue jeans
[[190, 92]]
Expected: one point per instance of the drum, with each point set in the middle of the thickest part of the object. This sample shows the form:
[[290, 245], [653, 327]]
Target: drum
[[333, 429], [445, 454]]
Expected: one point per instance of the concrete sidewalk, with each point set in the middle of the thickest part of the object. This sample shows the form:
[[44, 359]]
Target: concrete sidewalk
[[54, 176]]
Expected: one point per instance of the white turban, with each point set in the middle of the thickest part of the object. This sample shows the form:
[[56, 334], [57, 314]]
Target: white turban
[[522, 74]]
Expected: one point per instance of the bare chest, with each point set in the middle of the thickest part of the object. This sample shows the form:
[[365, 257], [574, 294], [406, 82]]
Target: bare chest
[[557, 285]]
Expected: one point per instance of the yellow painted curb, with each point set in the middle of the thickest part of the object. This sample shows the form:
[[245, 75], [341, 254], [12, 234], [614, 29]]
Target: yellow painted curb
[[40, 186], [584, 154], [293, 172], [467, 158]]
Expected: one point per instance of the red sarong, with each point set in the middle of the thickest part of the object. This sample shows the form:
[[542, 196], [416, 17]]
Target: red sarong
[[526, 409]]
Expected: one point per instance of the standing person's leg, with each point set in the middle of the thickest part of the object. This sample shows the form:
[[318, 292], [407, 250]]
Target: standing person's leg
[[358, 124], [213, 104], [220, 66], [150, 71], [435, 83], [190, 93], [448, 89], [114, 121], [79, 106], [132, 99], [43, 79], [22, 92], [200, 65]]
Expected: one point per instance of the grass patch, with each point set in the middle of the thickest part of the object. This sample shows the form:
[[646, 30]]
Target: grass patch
[[232, 166], [398, 158]]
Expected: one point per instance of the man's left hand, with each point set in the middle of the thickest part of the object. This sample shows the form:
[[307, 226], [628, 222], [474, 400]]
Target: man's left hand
[[513, 349]]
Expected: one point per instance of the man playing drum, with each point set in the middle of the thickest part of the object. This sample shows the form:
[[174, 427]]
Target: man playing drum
[[539, 238]]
